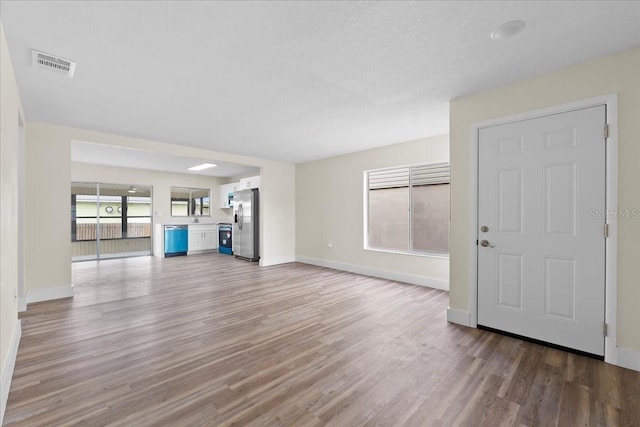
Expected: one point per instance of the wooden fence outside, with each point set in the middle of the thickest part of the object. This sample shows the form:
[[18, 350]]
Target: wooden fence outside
[[112, 231]]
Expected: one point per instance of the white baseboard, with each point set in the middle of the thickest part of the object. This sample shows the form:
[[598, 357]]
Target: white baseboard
[[7, 371], [458, 316], [276, 261], [628, 358], [47, 294], [414, 279]]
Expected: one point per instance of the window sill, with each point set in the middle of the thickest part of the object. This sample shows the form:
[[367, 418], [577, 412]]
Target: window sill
[[419, 254]]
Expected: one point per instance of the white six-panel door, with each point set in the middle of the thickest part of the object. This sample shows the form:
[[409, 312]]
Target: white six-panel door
[[541, 198]]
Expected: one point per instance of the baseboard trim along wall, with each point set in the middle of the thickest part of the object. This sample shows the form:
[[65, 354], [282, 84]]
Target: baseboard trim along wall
[[628, 358], [7, 371], [413, 279], [459, 317], [276, 261], [47, 294]]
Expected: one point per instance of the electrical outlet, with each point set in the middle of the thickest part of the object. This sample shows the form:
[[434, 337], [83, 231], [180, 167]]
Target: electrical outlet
[[330, 246]]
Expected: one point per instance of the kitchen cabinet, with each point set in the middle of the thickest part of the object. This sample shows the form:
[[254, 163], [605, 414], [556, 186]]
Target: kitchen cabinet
[[226, 194], [251, 182], [225, 191], [203, 237]]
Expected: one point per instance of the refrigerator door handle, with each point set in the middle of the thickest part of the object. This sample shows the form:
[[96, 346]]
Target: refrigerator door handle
[[240, 216]]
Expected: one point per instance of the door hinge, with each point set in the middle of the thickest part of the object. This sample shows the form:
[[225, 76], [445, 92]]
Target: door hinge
[[605, 329], [606, 230], [606, 131]]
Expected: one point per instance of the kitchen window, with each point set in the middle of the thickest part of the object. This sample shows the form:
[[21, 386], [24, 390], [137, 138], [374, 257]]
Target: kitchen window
[[190, 201], [407, 209]]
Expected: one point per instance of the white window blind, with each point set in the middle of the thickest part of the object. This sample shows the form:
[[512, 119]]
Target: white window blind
[[435, 173], [408, 208], [428, 174], [389, 178]]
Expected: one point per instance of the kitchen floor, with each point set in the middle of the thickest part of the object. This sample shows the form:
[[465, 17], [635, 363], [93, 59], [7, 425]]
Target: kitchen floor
[[212, 340]]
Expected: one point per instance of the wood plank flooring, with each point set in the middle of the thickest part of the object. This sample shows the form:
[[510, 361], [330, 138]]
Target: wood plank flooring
[[211, 340]]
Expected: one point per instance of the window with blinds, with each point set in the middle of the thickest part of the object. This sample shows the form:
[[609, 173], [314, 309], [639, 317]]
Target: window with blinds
[[408, 208]]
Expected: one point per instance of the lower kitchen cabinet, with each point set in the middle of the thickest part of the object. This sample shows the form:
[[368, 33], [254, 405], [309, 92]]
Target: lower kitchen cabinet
[[203, 237]]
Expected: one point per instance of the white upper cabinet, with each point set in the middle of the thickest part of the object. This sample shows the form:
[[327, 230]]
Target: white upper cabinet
[[227, 190], [226, 194], [251, 182]]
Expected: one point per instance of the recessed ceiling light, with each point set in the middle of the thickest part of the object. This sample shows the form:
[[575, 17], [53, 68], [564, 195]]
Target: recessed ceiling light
[[202, 166], [507, 30]]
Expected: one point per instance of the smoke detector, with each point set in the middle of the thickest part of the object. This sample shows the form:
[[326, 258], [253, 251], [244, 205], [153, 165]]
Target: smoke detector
[[507, 30], [52, 62]]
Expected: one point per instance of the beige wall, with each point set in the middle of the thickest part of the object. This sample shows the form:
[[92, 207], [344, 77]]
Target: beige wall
[[10, 111], [48, 236], [614, 74], [329, 209]]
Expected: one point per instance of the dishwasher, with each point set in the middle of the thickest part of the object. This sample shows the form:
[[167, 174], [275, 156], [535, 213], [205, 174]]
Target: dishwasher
[[176, 240]]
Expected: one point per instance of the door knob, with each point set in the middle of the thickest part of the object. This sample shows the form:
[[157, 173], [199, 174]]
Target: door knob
[[485, 243]]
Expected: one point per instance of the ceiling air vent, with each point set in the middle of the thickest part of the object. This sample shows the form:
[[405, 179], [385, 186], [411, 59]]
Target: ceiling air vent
[[51, 62]]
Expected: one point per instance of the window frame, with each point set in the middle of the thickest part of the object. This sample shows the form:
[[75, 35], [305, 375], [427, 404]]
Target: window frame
[[365, 209], [195, 204]]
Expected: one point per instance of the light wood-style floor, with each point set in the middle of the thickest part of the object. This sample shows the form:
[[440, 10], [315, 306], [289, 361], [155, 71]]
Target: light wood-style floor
[[210, 340]]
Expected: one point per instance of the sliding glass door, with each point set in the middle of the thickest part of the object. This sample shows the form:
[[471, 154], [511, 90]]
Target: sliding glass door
[[84, 221], [110, 220]]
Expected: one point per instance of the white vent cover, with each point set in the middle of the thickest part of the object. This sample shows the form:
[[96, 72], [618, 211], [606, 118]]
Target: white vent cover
[[52, 62]]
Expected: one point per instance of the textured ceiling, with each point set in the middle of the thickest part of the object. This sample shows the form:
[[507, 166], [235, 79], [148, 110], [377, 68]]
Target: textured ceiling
[[291, 81]]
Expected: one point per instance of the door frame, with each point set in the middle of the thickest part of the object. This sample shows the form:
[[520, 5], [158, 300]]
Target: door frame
[[611, 205]]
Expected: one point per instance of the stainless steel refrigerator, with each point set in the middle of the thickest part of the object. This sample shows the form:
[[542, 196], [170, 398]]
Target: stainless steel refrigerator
[[246, 222]]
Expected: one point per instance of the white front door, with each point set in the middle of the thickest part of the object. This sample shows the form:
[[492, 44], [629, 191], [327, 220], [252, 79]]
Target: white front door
[[541, 204]]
